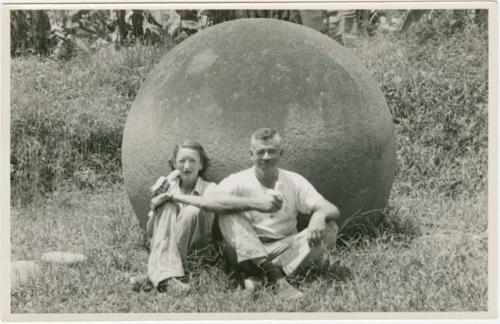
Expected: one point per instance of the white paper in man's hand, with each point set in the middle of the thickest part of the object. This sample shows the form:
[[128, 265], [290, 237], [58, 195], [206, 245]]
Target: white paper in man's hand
[[293, 257]]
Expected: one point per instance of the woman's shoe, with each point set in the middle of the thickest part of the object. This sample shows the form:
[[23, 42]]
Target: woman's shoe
[[285, 291], [141, 283], [173, 285]]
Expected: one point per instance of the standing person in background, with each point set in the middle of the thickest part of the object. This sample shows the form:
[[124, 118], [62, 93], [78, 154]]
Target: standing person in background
[[257, 211], [175, 228]]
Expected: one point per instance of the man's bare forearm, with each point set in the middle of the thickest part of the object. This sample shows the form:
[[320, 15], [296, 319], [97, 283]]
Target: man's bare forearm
[[327, 210], [222, 203]]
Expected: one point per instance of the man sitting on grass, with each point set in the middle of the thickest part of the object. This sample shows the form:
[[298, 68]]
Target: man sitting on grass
[[257, 210]]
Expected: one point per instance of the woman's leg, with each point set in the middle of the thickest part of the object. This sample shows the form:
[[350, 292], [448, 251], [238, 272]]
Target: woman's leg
[[189, 232], [164, 259]]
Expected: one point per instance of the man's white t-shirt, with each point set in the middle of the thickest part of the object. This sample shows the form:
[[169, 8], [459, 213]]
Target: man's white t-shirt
[[299, 196]]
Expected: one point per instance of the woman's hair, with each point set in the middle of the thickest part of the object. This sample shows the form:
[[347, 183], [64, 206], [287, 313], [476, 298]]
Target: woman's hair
[[193, 146]]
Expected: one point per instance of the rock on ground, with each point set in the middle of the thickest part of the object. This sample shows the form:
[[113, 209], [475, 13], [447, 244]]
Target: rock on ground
[[66, 258], [23, 272]]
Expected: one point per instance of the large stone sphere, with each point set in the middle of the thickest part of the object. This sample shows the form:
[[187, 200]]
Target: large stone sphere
[[222, 83]]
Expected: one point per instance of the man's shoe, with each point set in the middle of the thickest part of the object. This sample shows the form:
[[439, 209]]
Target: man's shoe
[[139, 283], [251, 288], [252, 284], [285, 291], [173, 285]]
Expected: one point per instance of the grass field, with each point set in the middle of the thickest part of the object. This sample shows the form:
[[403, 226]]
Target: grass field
[[433, 257], [67, 194]]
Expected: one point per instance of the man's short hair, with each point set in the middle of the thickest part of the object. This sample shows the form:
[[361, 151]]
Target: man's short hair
[[265, 134]]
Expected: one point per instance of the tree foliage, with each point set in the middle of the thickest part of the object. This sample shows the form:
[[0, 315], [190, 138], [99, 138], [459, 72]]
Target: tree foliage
[[30, 32], [61, 33]]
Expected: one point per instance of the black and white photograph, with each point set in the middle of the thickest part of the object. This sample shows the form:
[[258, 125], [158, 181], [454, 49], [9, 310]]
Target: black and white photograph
[[197, 161]]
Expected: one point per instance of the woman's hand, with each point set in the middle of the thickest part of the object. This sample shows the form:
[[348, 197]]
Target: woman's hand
[[173, 176], [159, 200], [162, 184]]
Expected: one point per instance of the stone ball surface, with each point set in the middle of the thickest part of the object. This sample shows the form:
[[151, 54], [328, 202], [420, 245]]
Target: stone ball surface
[[221, 84]]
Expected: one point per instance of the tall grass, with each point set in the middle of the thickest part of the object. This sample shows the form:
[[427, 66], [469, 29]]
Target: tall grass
[[436, 84], [68, 117]]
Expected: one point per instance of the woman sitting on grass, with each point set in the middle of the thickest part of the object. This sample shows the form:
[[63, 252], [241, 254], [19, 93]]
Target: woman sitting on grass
[[176, 229]]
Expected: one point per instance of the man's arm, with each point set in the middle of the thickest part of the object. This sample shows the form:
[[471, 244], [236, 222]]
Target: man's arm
[[224, 203], [326, 208], [324, 211]]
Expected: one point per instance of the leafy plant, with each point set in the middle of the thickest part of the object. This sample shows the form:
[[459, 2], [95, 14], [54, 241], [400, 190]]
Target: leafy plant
[[30, 32], [62, 33]]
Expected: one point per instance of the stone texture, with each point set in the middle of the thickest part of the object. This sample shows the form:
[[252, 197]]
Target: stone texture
[[65, 258], [22, 273], [222, 83]]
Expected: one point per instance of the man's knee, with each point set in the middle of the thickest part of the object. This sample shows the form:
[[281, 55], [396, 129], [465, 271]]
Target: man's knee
[[231, 225]]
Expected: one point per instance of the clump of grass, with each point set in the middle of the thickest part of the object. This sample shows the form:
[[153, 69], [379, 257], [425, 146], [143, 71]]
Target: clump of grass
[[400, 226], [435, 80], [67, 118]]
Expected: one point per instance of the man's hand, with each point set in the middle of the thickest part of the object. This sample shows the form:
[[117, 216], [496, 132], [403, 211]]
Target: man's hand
[[316, 230], [269, 203]]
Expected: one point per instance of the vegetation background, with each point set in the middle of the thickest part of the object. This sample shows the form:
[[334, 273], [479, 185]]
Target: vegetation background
[[74, 76]]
